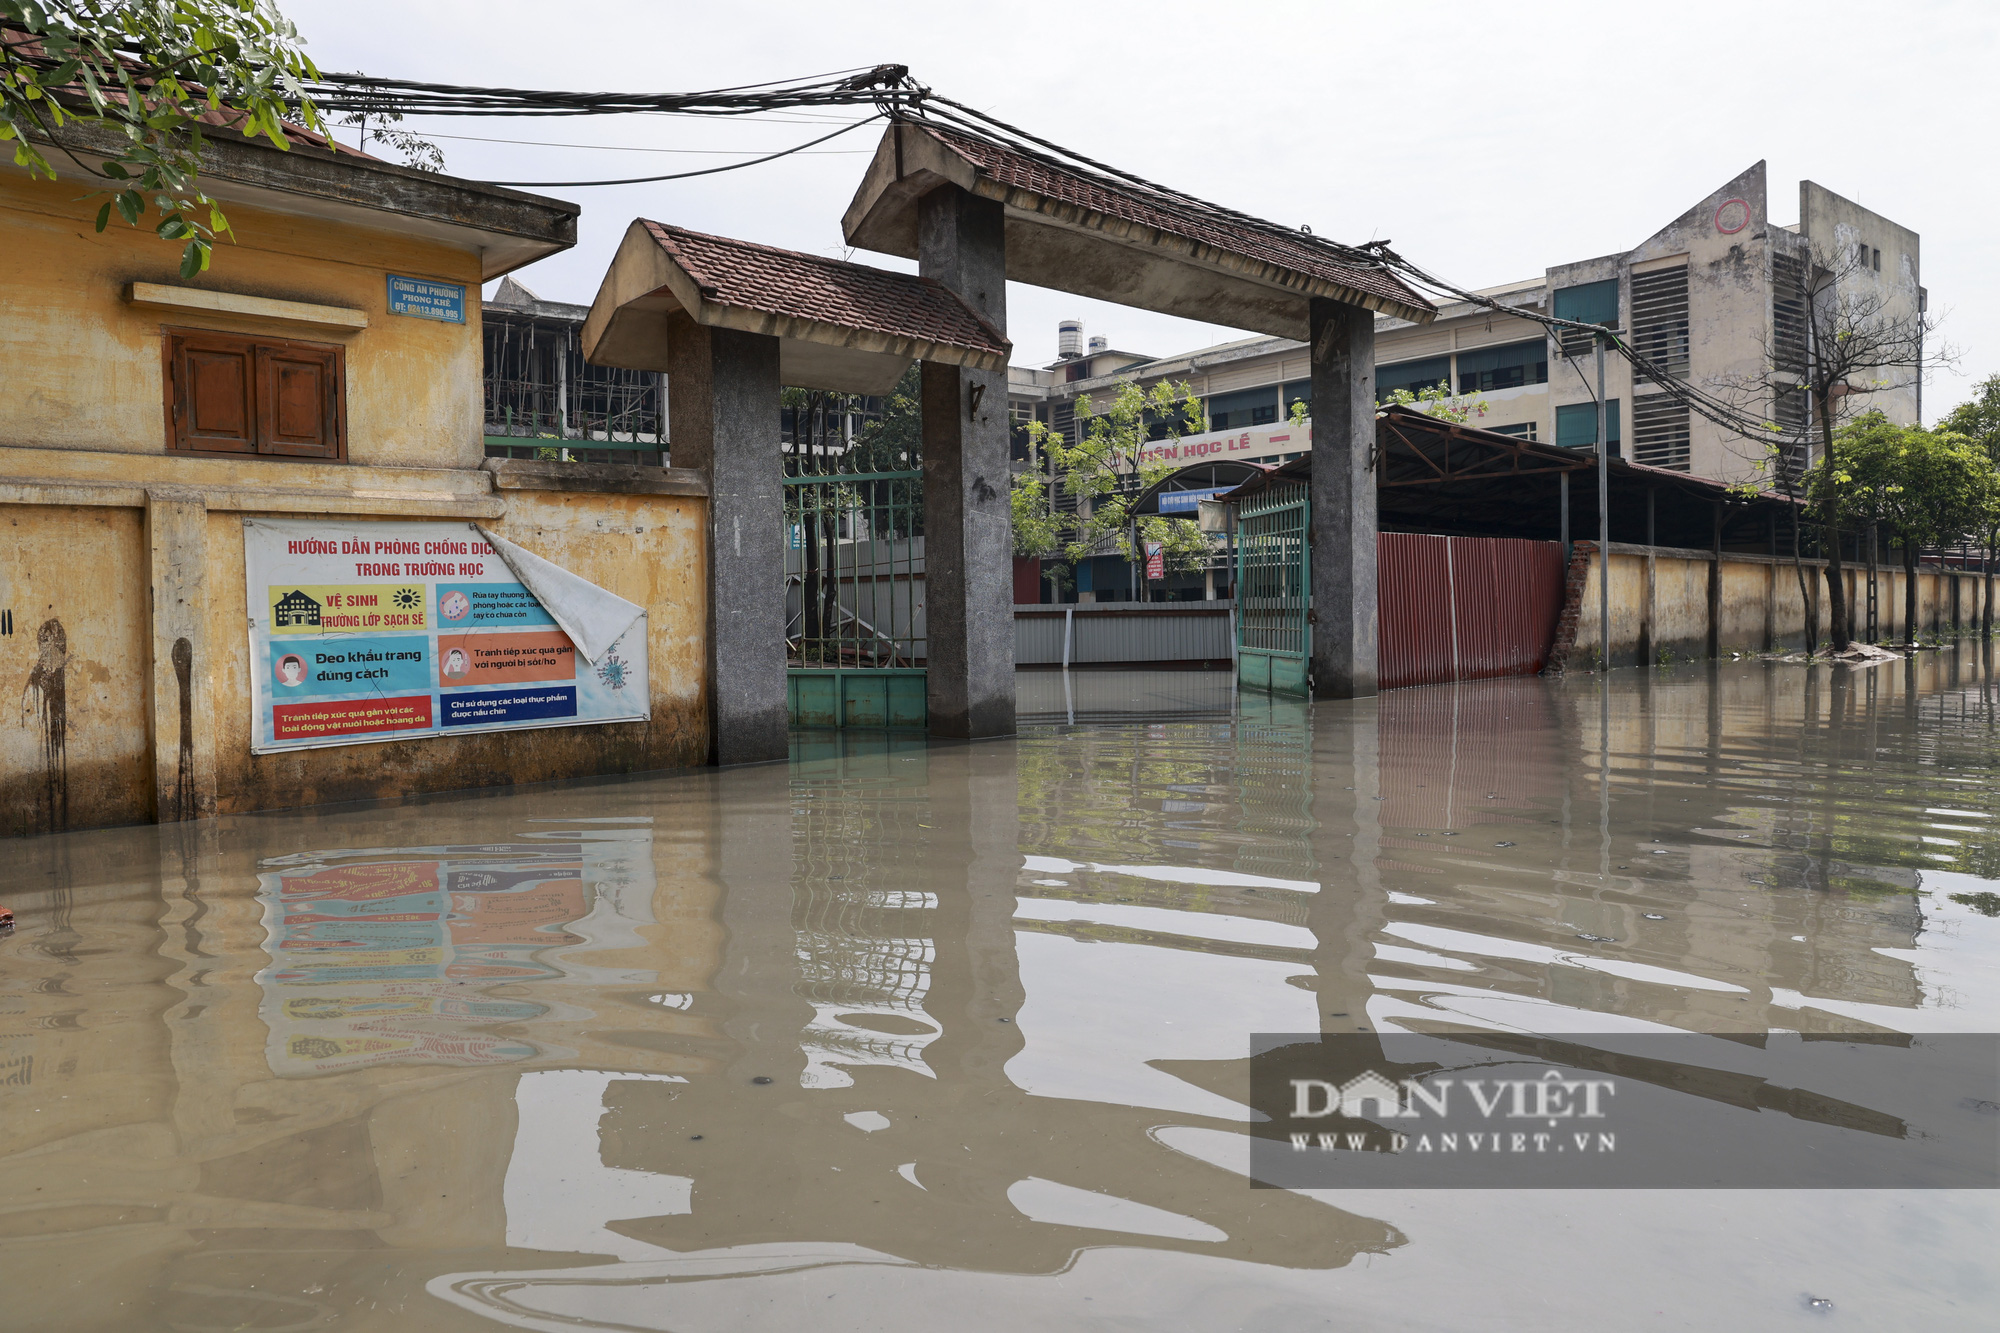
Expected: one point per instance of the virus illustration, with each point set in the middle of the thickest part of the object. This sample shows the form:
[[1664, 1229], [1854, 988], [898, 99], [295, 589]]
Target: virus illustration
[[407, 599], [612, 671]]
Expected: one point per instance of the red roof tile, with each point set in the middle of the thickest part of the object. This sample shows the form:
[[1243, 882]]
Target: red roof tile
[[831, 291], [1164, 213]]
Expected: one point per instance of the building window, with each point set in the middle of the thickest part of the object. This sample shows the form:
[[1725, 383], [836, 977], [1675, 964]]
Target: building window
[[1301, 391], [1520, 430], [1576, 425], [1660, 322], [1247, 407], [1586, 303], [1660, 431], [1415, 376], [230, 394], [1507, 367]]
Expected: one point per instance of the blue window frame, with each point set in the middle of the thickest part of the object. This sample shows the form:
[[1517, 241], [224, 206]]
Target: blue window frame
[[1589, 303], [1412, 375], [1576, 425], [1247, 407], [1506, 367]]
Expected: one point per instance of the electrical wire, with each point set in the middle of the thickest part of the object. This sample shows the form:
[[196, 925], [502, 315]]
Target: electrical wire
[[686, 175], [627, 148], [898, 97]]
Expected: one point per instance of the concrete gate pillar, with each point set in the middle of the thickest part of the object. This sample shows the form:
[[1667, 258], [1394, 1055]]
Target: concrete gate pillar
[[968, 519], [1343, 500], [722, 410]]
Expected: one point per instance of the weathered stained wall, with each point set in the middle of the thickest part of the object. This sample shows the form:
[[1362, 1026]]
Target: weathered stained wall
[[1758, 606], [647, 549], [75, 669], [86, 364], [121, 563]]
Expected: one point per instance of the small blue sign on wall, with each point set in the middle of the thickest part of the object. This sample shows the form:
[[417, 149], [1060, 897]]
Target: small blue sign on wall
[[424, 299]]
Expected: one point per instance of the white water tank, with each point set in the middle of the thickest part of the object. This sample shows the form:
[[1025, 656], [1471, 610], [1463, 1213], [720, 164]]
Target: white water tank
[[1069, 339], [1100, 345]]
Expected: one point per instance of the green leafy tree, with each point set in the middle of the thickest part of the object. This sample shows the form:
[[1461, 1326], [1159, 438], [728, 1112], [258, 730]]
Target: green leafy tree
[[1075, 500], [1437, 400], [1978, 420], [128, 90], [1929, 488]]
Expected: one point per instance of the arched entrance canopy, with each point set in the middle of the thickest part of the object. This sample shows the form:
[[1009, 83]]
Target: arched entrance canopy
[[1177, 495], [1074, 231]]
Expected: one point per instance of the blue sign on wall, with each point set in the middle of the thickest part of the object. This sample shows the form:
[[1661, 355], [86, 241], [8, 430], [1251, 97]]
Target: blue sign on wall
[[1182, 502], [424, 299], [487, 707]]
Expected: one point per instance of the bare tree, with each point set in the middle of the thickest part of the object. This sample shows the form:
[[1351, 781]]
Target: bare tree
[[1839, 335]]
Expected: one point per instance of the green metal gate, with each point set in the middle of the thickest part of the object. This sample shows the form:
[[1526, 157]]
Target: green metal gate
[[854, 594], [1274, 590]]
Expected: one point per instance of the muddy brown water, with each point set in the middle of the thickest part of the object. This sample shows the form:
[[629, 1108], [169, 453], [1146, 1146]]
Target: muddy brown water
[[914, 1037]]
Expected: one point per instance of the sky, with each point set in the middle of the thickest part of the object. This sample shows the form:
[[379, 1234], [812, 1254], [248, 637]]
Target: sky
[[1486, 141]]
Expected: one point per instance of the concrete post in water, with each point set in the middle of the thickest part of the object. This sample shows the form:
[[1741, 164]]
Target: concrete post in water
[[722, 405], [968, 519], [184, 658], [1715, 581], [1874, 551], [1342, 540], [1603, 519], [1647, 653]]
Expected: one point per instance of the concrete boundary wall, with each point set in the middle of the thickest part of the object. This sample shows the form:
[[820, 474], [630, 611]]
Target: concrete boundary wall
[[1672, 603], [124, 577], [1125, 633]]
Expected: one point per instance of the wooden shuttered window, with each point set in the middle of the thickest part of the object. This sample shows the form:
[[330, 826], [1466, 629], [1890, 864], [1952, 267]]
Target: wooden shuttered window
[[229, 393]]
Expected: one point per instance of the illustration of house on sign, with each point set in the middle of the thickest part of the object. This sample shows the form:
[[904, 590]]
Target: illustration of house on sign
[[294, 608]]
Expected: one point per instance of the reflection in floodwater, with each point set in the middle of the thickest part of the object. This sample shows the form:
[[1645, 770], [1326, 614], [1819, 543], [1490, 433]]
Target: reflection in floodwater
[[898, 1030]]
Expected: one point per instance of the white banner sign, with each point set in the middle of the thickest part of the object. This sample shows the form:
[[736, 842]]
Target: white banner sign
[[386, 631]]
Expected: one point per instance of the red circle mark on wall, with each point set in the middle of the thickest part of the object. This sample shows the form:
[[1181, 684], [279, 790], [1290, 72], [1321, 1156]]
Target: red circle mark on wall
[[1733, 216]]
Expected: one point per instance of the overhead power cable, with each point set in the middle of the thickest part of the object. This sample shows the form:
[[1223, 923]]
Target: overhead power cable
[[898, 97], [705, 171]]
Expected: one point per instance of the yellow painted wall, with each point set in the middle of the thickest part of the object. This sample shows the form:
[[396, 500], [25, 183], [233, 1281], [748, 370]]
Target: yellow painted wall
[[1761, 606], [129, 547], [84, 366], [648, 550], [76, 583]]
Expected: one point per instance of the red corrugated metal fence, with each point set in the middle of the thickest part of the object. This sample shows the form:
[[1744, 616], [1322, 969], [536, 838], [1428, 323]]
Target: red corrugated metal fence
[[1464, 608]]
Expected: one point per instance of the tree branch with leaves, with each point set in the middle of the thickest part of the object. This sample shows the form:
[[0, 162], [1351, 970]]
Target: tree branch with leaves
[[159, 76], [1075, 500], [1856, 338]]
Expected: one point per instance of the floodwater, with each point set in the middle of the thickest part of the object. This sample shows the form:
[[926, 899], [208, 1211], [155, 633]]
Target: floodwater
[[952, 1037]]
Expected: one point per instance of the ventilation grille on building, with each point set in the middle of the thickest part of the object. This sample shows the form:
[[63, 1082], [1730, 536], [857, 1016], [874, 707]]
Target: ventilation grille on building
[[1788, 413], [1660, 319], [1788, 315], [1660, 431]]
